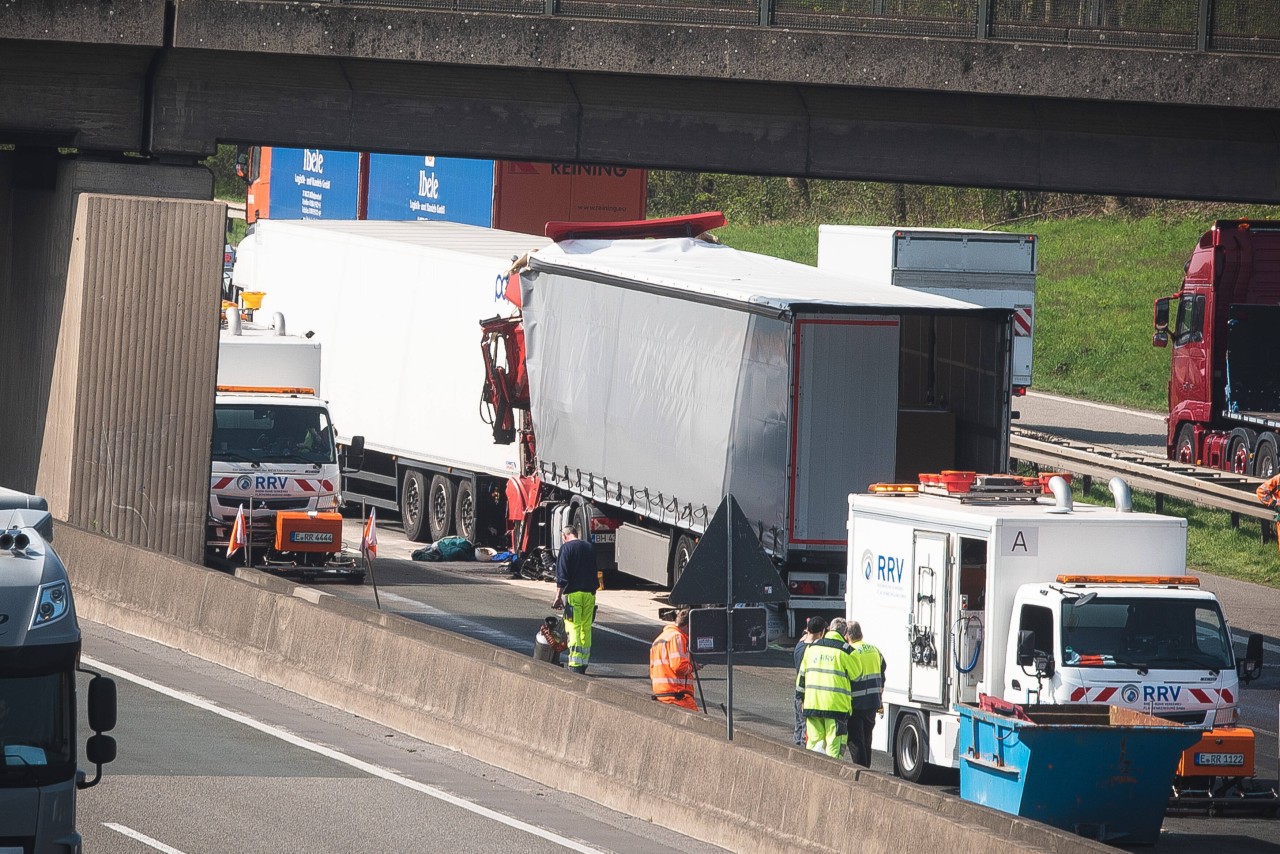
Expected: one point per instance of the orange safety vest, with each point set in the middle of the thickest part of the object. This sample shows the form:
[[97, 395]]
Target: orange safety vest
[[671, 669]]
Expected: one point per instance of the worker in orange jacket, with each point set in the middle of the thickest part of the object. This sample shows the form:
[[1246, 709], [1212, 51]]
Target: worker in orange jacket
[[670, 667], [1269, 495]]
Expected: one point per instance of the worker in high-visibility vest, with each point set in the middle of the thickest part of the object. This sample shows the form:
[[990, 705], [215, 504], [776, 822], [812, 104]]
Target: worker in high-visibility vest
[[577, 580], [865, 692], [1269, 495], [825, 684], [670, 667]]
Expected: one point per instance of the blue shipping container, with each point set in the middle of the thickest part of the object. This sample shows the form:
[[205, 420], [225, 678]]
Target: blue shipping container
[[312, 183], [411, 187]]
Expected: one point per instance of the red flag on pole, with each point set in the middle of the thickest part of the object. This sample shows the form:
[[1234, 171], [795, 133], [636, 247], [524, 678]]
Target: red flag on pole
[[369, 538], [238, 533]]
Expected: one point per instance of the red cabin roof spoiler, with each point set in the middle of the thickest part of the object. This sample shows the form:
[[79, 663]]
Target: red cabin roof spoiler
[[672, 226]]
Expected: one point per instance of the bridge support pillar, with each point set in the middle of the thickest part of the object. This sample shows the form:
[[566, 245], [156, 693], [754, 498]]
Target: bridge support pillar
[[101, 267]]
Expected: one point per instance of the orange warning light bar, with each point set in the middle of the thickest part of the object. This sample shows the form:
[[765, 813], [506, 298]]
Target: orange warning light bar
[[1185, 580], [257, 389], [893, 489]]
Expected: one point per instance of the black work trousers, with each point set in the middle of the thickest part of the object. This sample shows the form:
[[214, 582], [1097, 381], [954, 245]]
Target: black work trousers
[[861, 722]]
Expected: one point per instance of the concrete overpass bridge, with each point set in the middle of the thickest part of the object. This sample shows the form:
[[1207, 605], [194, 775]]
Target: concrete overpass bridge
[[1136, 97]]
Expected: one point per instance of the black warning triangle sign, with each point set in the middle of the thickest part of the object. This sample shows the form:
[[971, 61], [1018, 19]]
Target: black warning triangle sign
[[705, 579]]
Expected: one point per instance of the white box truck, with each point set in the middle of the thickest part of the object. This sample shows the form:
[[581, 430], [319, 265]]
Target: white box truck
[[993, 590], [995, 269], [632, 374], [273, 452]]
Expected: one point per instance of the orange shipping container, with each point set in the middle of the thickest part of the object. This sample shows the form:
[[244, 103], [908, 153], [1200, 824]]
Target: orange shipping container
[[526, 196]]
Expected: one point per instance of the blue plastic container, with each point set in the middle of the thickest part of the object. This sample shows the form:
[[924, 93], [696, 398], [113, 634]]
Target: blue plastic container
[[1098, 771]]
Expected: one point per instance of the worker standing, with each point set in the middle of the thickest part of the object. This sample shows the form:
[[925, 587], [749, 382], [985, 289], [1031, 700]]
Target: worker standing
[[824, 684], [1269, 494], [670, 667], [865, 693], [576, 582], [813, 631]]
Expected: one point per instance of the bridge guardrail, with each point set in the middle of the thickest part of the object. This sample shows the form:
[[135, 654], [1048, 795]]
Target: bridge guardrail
[[1248, 26], [1201, 486]]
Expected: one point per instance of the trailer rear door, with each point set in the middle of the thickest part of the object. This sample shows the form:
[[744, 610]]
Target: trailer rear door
[[844, 420]]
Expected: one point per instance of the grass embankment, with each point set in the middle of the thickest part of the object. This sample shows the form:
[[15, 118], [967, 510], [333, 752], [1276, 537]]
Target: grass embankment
[[1098, 278]]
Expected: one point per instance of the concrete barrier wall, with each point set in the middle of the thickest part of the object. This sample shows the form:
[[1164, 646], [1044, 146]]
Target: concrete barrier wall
[[576, 734]]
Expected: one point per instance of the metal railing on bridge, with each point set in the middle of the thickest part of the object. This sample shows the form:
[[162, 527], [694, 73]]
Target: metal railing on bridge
[[1250, 26]]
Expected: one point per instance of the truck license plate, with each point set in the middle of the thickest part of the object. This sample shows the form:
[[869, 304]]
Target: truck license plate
[[1220, 759], [604, 538], [310, 537]]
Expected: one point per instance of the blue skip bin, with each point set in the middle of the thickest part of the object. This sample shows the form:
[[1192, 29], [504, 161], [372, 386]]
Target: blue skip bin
[[1098, 771]]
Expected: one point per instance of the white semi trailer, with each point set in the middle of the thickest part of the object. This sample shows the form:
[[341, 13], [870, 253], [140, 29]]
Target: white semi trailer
[[631, 376]]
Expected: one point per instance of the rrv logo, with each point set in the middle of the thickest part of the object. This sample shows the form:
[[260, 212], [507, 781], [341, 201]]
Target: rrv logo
[[312, 161], [1161, 693], [270, 481], [889, 568]]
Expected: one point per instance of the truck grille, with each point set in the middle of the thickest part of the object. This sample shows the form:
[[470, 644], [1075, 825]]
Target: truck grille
[[281, 504]]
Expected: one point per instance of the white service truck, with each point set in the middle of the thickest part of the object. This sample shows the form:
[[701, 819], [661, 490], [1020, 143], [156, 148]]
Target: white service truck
[[273, 453], [990, 589], [995, 269]]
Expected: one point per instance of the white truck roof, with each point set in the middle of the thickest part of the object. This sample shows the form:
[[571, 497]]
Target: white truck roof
[[729, 275], [986, 515]]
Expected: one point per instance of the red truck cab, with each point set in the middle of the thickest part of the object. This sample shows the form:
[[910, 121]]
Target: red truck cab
[[1224, 405]]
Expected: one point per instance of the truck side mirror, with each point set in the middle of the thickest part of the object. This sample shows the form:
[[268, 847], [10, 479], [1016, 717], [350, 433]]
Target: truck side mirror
[[102, 704], [242, 165], [353, 459], [1026, 649], [1162, 315], [1250, 667], [100, 749]]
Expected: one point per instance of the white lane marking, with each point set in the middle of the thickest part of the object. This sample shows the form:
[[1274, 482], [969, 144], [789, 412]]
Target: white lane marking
[[1267, 645], [1103, 406], [368, 768], [141, 837]]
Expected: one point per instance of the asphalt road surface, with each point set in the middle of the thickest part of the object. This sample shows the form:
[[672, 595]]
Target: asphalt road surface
[[212, 761]]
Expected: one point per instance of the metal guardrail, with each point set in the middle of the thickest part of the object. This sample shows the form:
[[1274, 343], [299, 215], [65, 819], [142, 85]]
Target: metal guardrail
[[1246, 26], [1201, 486]]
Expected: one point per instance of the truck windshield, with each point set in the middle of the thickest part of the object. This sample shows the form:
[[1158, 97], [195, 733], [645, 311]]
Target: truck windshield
[[258, 433], [1158, 633], [36, 729]]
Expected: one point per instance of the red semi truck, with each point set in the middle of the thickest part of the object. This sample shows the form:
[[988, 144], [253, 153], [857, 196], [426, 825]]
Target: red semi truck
[[1224, 386]]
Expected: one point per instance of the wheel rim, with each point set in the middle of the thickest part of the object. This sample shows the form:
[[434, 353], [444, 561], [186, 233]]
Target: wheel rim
[[1239, 459], [909, 749], [412, 502], [439, 507], [1184, 452], [467, 515]]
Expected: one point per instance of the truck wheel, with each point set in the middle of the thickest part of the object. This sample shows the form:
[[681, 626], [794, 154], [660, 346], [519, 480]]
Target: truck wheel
[[1240, 451], [680, 555], [413, 505], [910, 749], [440, 507], [464, 510], [1264, 456], [1184, 450]]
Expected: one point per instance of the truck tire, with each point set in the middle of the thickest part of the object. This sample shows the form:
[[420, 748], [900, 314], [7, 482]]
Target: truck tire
[[680, 554], [413, 505], [1184, 449], [1240, 451], [440, 507], [464, 510], [911, 749], [1265, 456]]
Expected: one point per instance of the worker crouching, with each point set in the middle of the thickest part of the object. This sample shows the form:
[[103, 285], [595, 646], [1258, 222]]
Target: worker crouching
[[670, 667]]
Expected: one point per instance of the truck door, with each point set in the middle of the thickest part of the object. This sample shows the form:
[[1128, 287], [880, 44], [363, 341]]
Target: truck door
[[1190, 382], [928, 636]]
